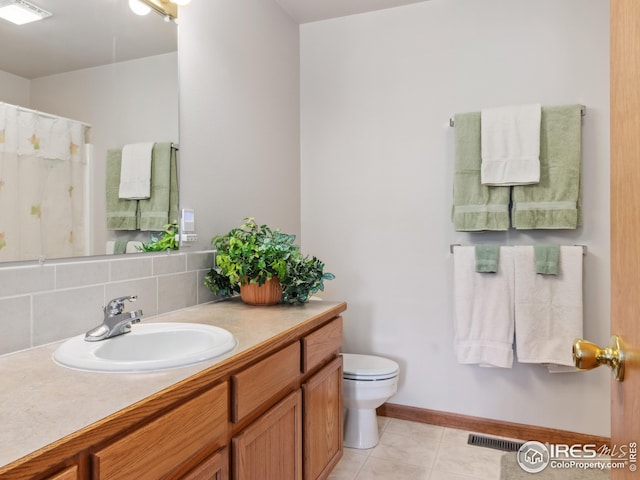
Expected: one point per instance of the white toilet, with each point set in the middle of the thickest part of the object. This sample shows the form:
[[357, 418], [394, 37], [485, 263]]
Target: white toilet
[[367, 381]]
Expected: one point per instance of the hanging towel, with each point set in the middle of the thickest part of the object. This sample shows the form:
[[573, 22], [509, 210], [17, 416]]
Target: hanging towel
[[511, 145], [555, 202], [133, 246], [483, 310], [162, 207], [546, 259], [476, 207], [548, 308], [121, 214], [120, 246], [487, 258], [135, 173]]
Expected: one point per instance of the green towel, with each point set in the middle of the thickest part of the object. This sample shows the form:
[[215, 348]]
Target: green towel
[[546, 258], [120, 247], [555, 202], [487, 258], [121, 214], [162, 207], [476, 207]]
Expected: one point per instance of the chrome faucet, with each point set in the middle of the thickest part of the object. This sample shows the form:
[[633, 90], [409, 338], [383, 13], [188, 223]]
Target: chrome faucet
[[116, 321]]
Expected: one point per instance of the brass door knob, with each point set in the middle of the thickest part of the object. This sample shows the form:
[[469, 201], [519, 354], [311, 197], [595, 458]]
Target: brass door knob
[[587, 355]]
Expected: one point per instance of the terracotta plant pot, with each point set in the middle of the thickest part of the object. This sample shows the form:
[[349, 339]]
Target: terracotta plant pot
[[269, 293]]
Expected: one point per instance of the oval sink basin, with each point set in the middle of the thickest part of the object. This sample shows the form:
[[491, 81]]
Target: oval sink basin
[[148, 347]]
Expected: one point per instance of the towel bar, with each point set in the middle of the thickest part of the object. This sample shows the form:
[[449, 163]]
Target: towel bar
[[583, 112], [452, 245]]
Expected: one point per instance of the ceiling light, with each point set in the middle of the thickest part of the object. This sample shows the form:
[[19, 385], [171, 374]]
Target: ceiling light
[[138, 7], [21, 12]]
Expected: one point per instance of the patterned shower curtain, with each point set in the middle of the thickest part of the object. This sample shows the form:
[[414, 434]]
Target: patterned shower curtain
[[43, 169]]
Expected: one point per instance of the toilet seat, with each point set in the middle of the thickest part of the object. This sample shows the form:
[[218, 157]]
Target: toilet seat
[[368, 367]]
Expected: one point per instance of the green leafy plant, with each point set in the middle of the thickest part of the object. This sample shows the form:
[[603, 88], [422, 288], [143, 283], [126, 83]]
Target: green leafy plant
[[167, 241], [255, 253]]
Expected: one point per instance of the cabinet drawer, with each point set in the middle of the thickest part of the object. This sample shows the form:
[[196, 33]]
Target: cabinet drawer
[[162, 445], [255, 385], [321, 344]]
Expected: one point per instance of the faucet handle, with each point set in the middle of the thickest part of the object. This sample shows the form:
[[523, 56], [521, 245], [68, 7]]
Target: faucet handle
[[115, 306]]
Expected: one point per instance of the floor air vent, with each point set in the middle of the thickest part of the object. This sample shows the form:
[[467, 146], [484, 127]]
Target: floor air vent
[[495, 443]]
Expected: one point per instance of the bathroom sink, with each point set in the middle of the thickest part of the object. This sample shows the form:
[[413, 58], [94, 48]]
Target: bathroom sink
[[148, 347]]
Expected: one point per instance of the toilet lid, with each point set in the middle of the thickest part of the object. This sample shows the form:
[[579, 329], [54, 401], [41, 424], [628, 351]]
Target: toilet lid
[[368, 367]]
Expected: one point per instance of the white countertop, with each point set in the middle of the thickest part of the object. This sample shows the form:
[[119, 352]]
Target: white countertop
[[42, 402]]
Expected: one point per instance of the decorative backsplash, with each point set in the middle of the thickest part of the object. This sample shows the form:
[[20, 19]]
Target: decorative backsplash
[[41, 304]]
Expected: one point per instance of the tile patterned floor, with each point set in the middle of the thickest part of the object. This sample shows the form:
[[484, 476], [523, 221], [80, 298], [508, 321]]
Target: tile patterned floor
[[417, 451]]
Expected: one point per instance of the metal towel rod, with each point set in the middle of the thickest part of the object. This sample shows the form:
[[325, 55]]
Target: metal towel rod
[[583, 112], [584, 247]]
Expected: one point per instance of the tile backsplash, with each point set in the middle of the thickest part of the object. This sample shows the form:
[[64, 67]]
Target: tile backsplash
[[44, 303]]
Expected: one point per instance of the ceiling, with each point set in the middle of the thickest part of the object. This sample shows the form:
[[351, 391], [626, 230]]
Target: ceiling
[[87, 33], [82, 34]]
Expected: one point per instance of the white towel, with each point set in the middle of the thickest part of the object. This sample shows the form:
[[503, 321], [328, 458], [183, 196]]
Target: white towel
[[548, 308], [510, 144], [483, 309], [135, 171]]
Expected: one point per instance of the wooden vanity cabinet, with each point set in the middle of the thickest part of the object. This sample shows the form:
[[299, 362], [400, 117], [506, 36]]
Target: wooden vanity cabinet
[[271, 413]]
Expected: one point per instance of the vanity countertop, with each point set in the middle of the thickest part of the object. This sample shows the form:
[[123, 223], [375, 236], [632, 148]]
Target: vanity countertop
[[43, 402]]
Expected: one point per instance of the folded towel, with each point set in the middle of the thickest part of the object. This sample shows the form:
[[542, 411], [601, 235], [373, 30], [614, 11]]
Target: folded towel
[[546, 259], [475, 206], [135, 172], [555, 202], [162, 206], [487, 258], [511, 145], [121, 214], [548, 308], [483, 310]]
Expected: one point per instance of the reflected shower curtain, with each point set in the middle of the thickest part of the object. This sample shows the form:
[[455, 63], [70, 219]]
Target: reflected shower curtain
[[42, 185]]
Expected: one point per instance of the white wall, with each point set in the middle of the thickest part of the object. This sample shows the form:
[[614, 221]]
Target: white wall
[[377, 91], [239, 115]]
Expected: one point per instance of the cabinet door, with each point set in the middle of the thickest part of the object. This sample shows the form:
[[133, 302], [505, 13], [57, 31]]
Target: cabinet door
[[216, 467], [323, 417], [271, 447]]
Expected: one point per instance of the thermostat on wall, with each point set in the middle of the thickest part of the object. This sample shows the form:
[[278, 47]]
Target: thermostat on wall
[[188, 226]]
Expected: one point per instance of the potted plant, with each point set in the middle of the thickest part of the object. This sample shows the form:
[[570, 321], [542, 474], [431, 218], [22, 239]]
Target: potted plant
[[167, 241], [265, 266]]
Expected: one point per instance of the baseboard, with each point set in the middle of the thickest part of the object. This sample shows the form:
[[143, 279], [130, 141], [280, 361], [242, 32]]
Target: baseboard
[[487, 426]]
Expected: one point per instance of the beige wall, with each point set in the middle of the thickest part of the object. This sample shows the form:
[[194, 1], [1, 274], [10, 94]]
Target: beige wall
[[239, 115], [14, 89]]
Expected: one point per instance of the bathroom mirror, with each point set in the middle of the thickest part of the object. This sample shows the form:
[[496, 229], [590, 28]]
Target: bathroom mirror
[[98, 63]]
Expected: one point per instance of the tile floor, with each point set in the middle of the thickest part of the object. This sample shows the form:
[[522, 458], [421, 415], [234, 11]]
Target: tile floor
[[418, 451]]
